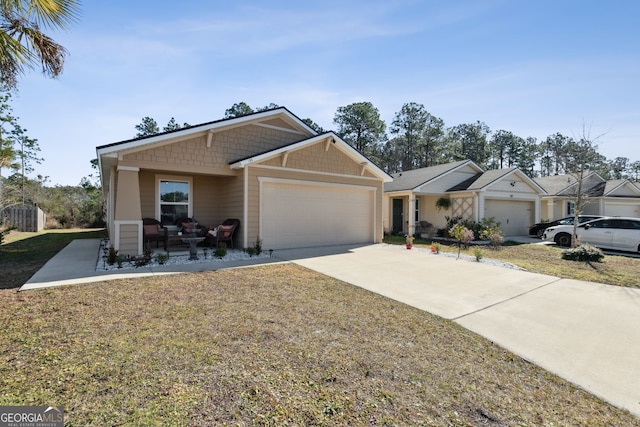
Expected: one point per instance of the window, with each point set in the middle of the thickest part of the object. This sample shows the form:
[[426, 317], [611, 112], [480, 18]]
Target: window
[[571, 208], [174, 200], [417, 216]]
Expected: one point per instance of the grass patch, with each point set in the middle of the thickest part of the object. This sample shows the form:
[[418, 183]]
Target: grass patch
[[270, 345], [23, 254], [615, 270]]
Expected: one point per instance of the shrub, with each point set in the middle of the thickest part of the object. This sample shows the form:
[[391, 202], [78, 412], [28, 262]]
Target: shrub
[[586, 253], [161, 258], [257, 246], [478, 253], [221, 250], [251, 251], [462, 234], [491, 231], [112, 257]]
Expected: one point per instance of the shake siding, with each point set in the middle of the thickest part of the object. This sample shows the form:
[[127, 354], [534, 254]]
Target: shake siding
[[226, 146], [316, 158]]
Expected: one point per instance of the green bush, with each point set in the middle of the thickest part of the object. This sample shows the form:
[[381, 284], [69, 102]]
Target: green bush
[[478, 253], [221, 250], [257, 246], [586, 253]]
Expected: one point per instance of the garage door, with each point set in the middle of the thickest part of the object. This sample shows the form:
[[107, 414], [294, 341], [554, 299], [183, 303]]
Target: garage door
[[622, 209], [298, 215], [515, 217]]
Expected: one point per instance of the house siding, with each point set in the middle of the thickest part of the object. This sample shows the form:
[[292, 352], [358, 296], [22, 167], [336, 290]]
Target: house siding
[[226, 146], [129, 239], [624, 191], [318, 158]]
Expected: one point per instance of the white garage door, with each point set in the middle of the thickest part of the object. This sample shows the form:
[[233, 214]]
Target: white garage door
[[298, 215], [622, 209], [515, 217]]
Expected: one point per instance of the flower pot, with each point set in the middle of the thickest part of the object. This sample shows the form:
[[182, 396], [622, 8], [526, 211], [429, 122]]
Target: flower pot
[[409, 245], [434, 250]]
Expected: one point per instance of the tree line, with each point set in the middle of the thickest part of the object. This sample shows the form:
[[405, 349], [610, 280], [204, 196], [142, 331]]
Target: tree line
[[416, 138]]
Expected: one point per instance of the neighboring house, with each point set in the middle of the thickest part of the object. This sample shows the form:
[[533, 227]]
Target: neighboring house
[[507, 195], [288, 185], [619, 197]]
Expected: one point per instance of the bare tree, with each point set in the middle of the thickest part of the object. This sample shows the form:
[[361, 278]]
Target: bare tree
[[580, 157]]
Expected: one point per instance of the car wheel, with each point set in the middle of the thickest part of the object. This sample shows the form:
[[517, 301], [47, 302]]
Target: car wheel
[[563, 239], [540, 232]]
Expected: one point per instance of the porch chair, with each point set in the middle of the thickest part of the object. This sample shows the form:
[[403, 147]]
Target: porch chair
[[153, 231], [225, 232]]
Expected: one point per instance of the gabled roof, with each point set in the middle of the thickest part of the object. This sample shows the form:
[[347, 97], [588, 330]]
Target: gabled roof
[[280, 118], [411, 180], [615, 184], [329, 137], [485, 179], [259, 117], [557, 184]]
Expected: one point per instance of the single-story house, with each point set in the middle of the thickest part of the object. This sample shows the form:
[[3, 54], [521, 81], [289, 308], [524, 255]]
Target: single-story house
[[508, 195], [288, 185], [619, 197]]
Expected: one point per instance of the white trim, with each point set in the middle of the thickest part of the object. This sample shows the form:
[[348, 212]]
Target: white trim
[[264, 125], [128, 168], [307, 171], [190, 132], [270, 180], [339, 143], [178, 178], [445, 173], [245, 208]]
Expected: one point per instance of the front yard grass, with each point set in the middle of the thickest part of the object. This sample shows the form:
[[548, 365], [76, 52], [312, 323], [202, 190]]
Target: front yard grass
[[271, 345], [22, 254], [616, 270]]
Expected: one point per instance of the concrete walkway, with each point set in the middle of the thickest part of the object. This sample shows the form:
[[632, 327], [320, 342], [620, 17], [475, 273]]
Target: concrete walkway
[[587, 333]]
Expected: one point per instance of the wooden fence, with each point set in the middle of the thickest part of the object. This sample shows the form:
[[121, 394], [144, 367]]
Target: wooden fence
[[25, 218]]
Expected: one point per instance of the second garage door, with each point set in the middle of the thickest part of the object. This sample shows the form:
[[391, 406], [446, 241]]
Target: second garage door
[[622, 209], [304, 215], [515, 217]]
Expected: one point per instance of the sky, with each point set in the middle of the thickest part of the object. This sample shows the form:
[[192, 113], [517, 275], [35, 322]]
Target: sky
[[534, 68]]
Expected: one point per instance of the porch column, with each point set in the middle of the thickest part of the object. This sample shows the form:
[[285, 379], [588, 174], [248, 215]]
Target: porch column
[[127, 231], [411, 223]]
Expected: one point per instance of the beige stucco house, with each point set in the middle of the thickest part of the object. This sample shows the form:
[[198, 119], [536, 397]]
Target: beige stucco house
[[288, 185], [507, 195], [619, 197]]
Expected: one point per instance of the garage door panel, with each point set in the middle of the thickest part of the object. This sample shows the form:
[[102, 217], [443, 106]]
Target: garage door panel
[[297, 215], [623, 209], [515, 216]]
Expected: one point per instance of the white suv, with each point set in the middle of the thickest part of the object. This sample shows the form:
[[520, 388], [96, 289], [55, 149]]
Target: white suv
[[617, 233]]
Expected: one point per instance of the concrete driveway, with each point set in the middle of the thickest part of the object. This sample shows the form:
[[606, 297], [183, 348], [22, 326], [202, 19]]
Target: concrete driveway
[[587, 333]]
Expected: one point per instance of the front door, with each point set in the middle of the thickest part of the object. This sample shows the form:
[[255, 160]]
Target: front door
[[397, 216]]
